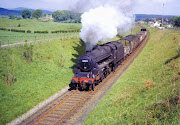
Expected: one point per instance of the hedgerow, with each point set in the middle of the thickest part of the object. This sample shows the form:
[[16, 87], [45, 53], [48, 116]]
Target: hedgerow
[[16, 30], [41, 31], [28, 31]]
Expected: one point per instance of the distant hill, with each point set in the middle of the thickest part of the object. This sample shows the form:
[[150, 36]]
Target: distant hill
[[44, 11], [150, 16], [17, 11], [22, 8], [6, 12]]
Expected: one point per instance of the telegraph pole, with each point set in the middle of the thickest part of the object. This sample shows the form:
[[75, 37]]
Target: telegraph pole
[[10, 26], [162, 15]]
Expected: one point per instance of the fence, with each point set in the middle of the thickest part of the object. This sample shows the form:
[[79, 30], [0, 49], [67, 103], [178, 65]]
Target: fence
[[40, 38]]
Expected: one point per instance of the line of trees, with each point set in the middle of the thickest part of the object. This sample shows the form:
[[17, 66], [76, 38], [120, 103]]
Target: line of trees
[[59, 16], [66, 16], [26, 14]]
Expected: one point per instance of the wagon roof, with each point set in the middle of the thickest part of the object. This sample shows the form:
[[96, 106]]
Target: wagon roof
[[129, 37]]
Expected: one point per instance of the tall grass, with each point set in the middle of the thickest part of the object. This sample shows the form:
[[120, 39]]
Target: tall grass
[[49, 70], [148, 91]]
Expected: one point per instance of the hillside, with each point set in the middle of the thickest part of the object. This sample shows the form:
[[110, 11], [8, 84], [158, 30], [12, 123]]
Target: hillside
[[32, 73]]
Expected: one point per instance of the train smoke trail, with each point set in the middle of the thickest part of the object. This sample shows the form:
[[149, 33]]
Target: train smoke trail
[[105, 20]]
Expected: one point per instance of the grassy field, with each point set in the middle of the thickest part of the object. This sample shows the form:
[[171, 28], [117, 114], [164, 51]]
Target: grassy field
[[35, 25], [50, 26], [22, 37], [148, 91], [51, 70], [13, 22]]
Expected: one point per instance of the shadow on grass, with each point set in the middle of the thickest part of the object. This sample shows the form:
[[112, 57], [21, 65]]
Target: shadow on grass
[[80, 49]]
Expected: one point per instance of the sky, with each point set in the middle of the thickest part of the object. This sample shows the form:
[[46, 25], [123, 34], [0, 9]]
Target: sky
[[171, 7]]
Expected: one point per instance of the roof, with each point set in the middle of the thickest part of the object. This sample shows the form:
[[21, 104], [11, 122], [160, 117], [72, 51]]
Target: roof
[[129, 37]]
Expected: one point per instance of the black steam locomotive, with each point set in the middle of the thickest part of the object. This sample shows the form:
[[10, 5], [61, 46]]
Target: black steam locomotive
[[95, 65]]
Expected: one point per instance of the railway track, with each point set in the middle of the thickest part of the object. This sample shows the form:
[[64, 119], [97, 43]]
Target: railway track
[[74, 101], [57, 112]]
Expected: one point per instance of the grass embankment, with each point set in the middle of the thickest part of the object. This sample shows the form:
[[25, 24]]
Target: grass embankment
[[50, 70], [148, 91]]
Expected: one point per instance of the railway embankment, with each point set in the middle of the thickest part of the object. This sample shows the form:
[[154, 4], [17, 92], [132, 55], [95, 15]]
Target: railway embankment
[[148, 91], [32, 73]]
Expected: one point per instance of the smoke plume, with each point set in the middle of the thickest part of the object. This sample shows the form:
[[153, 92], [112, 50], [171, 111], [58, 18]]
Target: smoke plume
[[104, 19]]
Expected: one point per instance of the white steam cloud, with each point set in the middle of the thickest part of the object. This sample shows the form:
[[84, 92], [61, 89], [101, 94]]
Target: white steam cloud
[[105, 20]]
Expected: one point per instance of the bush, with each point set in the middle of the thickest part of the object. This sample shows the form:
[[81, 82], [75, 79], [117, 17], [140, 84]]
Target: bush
[[28, 31], [28, 52], [41, 31], [16, 30], [3, 29], [63, 31], [18, 18], [19, 25]]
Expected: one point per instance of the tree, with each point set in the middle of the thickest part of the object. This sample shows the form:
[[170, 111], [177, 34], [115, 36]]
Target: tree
[[26, 13], [147, 20], [67, 16], [158, 18], [37, 14], [12, 17], [177, 21]]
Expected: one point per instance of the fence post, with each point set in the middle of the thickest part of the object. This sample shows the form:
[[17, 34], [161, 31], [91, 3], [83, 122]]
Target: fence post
[[29, 40], [16, 41], [61, 35], [49, 37], [23, 40], [0, 45], [8, 42]]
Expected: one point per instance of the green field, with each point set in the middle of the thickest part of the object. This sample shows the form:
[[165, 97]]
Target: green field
[[148, 91], [14, 22], [36, 25], [50, 26], [22, 37]]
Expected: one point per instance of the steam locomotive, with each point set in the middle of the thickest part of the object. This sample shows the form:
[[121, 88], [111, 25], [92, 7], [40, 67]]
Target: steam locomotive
[[95, 65]]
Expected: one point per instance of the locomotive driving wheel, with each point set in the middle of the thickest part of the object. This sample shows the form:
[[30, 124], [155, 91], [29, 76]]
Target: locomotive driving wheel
[[91, 87]]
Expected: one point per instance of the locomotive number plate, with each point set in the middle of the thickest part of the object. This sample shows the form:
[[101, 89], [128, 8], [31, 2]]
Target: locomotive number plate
[[84, 60]]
